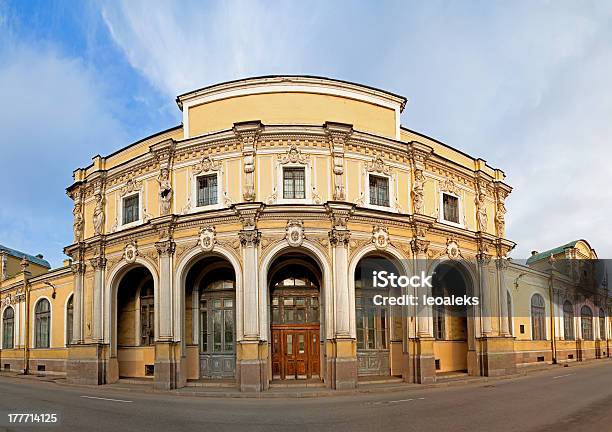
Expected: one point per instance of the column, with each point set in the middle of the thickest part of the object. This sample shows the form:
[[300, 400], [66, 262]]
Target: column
[[97, 331], [342, 361], [501, 264], [483, 261], [78, 269], [167, 352], [252, 352], [424, 312]]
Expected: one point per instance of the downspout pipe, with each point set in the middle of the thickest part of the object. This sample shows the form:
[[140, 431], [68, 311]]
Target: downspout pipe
[[553, 342], [26, 342]]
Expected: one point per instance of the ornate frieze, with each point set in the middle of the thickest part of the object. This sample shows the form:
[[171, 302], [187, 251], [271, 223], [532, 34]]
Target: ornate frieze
[[206, 165], [131, 186], [293, 155]]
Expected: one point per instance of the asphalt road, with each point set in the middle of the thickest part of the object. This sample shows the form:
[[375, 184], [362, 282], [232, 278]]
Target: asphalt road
[[576, 398]]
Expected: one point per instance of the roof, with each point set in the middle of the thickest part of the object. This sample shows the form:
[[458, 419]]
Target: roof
[[555, 251], [21, 255], [268, 79]]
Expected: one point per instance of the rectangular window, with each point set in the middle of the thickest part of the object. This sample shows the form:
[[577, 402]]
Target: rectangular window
[[294, 183], [207, 190], [379, 191], [130, 209], [450, 208]]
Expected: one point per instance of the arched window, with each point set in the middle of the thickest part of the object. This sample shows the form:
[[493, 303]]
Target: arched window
[[509, 307], [568, 321], [602, 324], [69, 320], [42, 324], [538, 322], [586, 321], [8, 326]]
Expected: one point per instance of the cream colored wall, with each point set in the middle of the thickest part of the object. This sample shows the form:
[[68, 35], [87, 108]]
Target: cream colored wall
[[291, 108]]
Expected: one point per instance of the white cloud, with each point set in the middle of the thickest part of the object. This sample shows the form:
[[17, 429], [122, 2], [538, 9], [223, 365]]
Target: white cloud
[[54, 115], [521, 84]]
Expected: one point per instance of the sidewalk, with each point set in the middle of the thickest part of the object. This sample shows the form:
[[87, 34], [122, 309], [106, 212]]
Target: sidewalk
[[392, 384]]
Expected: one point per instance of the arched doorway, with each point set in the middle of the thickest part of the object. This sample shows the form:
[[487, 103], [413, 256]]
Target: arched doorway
[[135, 330], [378, 326], [452, 324], [295, 317], [210, 318]]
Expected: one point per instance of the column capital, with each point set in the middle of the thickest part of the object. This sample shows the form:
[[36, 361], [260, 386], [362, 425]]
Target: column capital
[[339, 237], [78, 267], [165, 247], [249, 238], [98, 262], [419, 246]]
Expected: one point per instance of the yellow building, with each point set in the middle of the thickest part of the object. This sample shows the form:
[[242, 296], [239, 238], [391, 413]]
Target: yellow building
[[237, 246]]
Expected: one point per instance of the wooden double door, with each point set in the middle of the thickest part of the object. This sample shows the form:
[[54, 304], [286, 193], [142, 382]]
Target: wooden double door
[[295, 351]]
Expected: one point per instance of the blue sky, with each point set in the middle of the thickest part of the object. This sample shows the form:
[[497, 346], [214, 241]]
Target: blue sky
[[525, 85]]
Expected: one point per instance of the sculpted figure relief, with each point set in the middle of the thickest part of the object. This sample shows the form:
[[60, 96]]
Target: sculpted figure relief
[[417, 191], [165, 191], [481, 212], [77, 225], [98, 216]]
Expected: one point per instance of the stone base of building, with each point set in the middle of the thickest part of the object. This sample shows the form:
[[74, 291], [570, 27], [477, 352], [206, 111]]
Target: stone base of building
[[11, 364], [87, 364], [252, 366], [423, 360], [497, 356], [168, 371], [341, 368]]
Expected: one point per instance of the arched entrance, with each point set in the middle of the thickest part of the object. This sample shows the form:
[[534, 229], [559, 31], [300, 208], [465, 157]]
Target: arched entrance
[[378, 326], [295, 317], [210, 318], [135, 329], [453, 324]]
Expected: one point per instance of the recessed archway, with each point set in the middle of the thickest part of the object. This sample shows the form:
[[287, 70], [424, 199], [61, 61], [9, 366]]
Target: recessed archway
[[453, 325], [295, 316]]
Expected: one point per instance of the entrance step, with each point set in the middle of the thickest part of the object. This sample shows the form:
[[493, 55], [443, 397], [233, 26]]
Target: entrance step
[[376, 380], [299, 383], [212, 383], [141, 381]]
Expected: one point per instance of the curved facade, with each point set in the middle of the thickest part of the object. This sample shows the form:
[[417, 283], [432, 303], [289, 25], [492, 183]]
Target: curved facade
[[232, 246]]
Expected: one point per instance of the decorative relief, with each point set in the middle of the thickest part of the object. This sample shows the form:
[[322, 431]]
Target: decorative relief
[[131, 186], [449, 185], [338, 135], [360, 202], [316, 198], [130, 252], [207, 238], [227, 200], [165, 192], [295, 233], [8, 300], [248, 134], [98, 262], [271, 199], [378, 165], [481, 211], [293, 155], [166, 247], [452, 249], [206, 165], [380, 237]]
